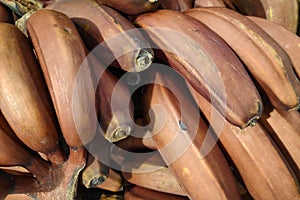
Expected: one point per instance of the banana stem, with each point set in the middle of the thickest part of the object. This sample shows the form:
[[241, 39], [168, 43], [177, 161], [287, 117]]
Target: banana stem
[[64, 177]]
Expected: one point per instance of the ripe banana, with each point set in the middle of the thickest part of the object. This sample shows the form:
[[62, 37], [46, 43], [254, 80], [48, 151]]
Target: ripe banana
[[201, 172], [261, 165], [206, 61], [95, 173], [113, 183], [161, 179], [289, 41], [284, 129], [102, 26], [24, 99], [264, 58], [113, 110], [208, 3], [140, 193], [178, 5], [131, 7], [61, 59], [284, 13]]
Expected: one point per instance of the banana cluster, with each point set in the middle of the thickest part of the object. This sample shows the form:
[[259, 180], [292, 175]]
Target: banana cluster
[[225, 74]]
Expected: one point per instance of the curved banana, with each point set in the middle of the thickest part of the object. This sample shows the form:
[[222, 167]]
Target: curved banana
[[131, 7], [60, 61], [284, 13], [289, 41], [201, 172], [161, 179], [113, 183], [107, 30], [284, 129], [255, 155], [206, 61], [95, 173], [24, 99], [264, 58], [114, 114]]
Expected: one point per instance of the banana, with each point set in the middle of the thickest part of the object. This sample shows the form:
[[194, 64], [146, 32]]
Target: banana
[[140, 193], [261, 165], [24, 99], [289, 41], [114, 112], [206, 61], [161, 179], [264, 58], [178, 5], [202, 172], [284, 129], [209, 3], [60, 61], [131, 7], [5, 14], [113, 183], [95, 173], [108, 29], [284, 13]]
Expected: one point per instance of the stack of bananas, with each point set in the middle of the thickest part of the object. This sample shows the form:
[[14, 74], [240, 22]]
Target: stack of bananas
[[81, 79]]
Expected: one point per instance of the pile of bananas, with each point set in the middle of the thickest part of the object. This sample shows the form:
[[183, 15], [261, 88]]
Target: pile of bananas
[[81, 81]]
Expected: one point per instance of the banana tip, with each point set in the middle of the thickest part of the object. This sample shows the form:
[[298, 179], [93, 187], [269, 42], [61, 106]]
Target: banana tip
[[97, 181], [144, 59]]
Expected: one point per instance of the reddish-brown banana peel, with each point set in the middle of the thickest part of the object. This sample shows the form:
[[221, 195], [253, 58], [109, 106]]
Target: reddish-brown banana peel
[[61, 61], [114, 112], [289, 41], [255, 156], [284, 129], [153, 176], [206, 61], [94, 173], [284, 13], [113, 183], [24, 99], [91, 17], [208, 176], [265, 59]]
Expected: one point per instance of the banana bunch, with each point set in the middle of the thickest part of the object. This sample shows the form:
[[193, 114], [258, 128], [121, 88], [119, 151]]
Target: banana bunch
[[149, 99]]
